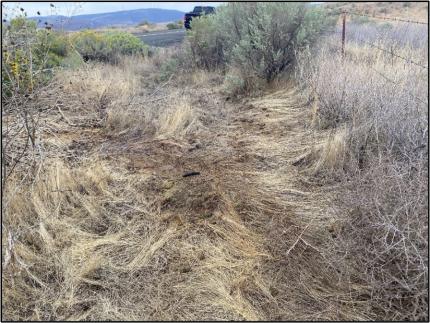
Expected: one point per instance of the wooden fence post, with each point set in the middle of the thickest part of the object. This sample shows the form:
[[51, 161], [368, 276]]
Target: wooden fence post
[[343, 33]]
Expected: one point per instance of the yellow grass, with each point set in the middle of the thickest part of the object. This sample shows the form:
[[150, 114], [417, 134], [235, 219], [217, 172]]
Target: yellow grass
[[111, 230], [177, 120], [332, 152]]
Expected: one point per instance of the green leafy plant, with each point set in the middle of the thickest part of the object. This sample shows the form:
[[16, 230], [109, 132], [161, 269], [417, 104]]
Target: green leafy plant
[[259, 39], [174, 25], [206, 43], [29, 54], [144, 23], [108, 46]]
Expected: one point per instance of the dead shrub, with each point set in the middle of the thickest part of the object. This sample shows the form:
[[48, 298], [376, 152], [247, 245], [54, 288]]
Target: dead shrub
[[377, 107]]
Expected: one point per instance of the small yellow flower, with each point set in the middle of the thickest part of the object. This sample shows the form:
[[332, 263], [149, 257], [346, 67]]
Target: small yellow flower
[[15, 69]]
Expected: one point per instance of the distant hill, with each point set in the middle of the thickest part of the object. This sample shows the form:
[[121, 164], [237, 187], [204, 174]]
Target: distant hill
[[118, 18]]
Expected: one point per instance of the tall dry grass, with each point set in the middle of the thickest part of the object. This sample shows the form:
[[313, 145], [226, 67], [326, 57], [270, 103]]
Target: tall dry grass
[[375, 108]]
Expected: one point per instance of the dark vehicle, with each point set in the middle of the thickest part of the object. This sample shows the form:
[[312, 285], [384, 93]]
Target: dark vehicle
[[197, 12]]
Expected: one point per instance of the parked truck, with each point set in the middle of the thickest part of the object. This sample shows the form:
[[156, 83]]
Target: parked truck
[[197, 12]]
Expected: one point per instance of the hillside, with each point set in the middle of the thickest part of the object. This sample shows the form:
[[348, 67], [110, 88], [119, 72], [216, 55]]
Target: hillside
[[118, 18]]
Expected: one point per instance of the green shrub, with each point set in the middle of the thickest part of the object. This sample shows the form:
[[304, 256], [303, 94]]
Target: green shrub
[[205, 42], [22, 24], [72, 60], [386, 26], [174, 25], [125, 44], [168, 68], [90, 44], [51, 48], [259, 39], [144, 23], [107, 46], [360, 20], [234, 84], [29, 55]]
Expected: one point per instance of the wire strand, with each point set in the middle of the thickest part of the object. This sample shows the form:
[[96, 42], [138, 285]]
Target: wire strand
[[385, 77], [388, 18], [387, 51], [340, 12], [392, 53]]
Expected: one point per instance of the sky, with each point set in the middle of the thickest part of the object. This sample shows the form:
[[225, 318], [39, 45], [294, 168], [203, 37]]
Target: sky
[[80, 8]]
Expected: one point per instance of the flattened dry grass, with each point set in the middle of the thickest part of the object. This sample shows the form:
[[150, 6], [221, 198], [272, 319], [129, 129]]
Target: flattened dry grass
[[87, 241], [109, 229], [91, 233], [96, 227]]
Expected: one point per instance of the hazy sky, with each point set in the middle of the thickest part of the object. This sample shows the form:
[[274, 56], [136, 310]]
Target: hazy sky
[[79, 8]]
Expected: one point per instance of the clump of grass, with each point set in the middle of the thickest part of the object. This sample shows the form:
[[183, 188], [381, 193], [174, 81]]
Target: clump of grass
[[331, 154], [177, 120], [175, 25]]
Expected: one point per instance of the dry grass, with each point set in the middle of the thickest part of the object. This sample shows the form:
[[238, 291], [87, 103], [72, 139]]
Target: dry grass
[[331, 154], [107, 227], [375, 110], [109, 214], [178, 120], [138, 29], [92, 231], [399, 9]]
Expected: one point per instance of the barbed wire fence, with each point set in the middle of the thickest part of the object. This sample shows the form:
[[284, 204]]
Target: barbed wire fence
[[343, 35], [387, 18]]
